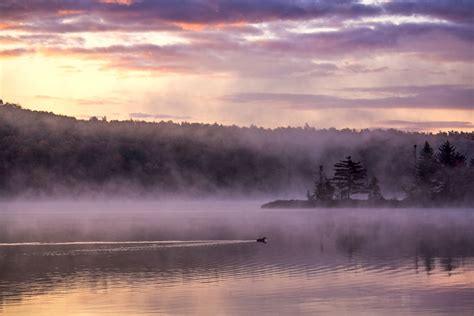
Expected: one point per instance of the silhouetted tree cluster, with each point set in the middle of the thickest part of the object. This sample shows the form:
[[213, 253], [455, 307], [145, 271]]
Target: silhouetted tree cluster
[[375, 193], [45, 154], [323, 189], [444, 177], [349, 178]]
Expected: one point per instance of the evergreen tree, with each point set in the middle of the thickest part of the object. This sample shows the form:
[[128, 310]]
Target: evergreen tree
[[469, 197], [349, 176], [448, 157], [427, 153], [329, 190], [375, 194], [452, 176], [323, 190], [459, 160], [446, 154], [426, 171]]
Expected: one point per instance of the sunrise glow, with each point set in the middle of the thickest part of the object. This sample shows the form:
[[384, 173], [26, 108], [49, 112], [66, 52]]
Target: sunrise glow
[[269, 63]]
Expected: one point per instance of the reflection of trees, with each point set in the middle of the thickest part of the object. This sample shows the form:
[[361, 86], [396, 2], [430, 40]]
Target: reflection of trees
[[350, 243], [427, 250], [429, 245], [449, 264], [429, 263], [448, 250]]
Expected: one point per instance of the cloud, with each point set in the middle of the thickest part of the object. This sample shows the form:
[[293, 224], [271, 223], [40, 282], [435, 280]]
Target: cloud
[[428, 125], [121, 2], [83, 101], [145, 12], [209, 48], [428, 97], [16, 52], [147, 57], [457, 11], [289, 55], [361, 69], [140, 115], [232, 45], [190, 11], [8, 39], [421, 38]]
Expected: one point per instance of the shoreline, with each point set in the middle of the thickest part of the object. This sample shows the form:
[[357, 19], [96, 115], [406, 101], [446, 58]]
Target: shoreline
[[306, 204]]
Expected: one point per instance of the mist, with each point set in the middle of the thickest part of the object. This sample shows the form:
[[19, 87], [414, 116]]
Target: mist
[[188, 249], [46, 155], [384, 230]]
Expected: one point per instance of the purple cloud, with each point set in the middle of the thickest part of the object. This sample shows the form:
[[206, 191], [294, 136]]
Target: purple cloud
[[409, 38], [140, 115], [233, 11], [191, 11], [424, 125], [16, 52], [453, 10], [47, 18], [429, 97]]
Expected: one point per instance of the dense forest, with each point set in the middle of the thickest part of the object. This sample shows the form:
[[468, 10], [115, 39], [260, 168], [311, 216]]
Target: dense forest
[[43, 154]]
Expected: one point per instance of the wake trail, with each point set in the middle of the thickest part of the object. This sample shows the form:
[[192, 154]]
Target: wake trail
[[142, 242]]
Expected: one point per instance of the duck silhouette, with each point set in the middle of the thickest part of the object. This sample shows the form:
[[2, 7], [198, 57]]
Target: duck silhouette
[[263, 240]]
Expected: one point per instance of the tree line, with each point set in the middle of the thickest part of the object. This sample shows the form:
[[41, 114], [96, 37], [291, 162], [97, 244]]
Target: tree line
[[42, 153], [445, 177]]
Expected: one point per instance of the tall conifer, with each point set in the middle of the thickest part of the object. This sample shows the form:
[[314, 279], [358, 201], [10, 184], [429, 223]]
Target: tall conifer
[[349, 177]]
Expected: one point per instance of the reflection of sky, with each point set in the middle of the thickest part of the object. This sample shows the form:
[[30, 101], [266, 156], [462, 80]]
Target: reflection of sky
[[347, 284], [390, 261], [271, 63]]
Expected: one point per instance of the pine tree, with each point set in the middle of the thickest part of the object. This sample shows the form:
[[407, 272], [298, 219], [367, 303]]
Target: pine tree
[[323, 190], [375, 194], [446, 154], [349, 176], [426, 172], [470, 183], [459, 160], [329, 190], [448, 157], [451, 176]]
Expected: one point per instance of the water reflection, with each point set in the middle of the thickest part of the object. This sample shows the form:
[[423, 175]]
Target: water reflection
[[327, 262]]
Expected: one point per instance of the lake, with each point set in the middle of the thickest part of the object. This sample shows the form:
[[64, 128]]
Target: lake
[[132, 258]]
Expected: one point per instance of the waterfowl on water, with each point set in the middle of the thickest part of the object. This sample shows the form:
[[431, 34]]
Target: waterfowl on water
[[263, 239]]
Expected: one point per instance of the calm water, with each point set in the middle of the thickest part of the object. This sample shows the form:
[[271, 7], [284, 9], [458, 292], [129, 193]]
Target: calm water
[[200, 258]]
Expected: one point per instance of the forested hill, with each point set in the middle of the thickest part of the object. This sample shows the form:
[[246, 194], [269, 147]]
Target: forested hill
[[46, 154]]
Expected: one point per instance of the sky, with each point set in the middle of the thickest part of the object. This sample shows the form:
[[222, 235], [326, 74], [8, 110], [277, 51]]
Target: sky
[[358, 64]]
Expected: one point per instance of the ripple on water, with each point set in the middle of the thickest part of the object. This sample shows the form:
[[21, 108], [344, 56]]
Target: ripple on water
[[311, 265]]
